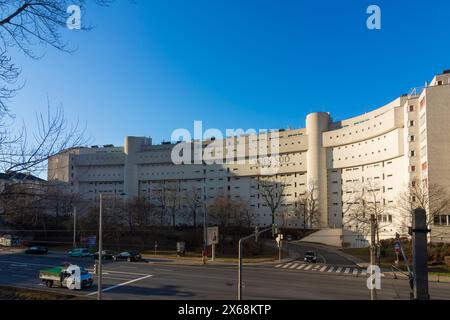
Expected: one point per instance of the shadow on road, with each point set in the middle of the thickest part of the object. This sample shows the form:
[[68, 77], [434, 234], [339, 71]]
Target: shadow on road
[[168, 291]]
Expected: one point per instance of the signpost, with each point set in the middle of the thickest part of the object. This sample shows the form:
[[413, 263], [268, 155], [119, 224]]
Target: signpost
[[279, 239], [397, 252], [212, 240]]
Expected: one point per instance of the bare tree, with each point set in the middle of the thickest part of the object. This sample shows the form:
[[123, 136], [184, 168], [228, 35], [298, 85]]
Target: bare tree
[[19, 152], [271, 192], [173, 201], [26, 24], [434, 198], [368, 200], [307, 206], [194, 201], [226, 212], [163, 200], [35, 204]]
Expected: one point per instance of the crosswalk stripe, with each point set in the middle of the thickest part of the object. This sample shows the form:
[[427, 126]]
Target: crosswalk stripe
[[347, 270], [308, 267], [278, 265], [293, 266], [363, 272], [331, 269], [287, 265], [355, 272], [339, 270], [300, 267], [323, 269]]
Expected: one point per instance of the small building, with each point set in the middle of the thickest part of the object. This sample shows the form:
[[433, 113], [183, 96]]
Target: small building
[[9, 240]]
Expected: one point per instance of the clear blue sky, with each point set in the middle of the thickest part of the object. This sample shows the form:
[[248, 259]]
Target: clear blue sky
[[151, 67]]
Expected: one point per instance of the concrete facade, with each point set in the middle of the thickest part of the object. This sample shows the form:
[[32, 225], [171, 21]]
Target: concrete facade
[[386, 150]]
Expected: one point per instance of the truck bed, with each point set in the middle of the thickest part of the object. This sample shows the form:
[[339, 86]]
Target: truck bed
[[51, 274]]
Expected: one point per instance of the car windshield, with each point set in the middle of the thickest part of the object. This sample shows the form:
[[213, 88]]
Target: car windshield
[[83, 271]]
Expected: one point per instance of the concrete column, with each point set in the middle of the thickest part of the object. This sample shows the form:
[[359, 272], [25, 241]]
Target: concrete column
[[132, 146], [316, 124]]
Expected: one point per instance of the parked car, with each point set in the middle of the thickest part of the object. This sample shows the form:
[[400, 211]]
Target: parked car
[[310, 256], [106, 255], [79, 253], [36, 250], [128, 256]]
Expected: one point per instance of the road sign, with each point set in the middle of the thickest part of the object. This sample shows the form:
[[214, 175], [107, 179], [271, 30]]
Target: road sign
[[213, 235]]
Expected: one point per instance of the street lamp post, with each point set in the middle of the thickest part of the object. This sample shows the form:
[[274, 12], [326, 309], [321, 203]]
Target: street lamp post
[[100, 251], [74, 227], [256, 235], [205, 236]]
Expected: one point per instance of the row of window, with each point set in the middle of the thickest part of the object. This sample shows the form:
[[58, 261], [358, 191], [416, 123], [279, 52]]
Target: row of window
[[442, 220]]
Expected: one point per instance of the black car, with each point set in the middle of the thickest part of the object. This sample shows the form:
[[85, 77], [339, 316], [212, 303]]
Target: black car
[[128, 256], [310, 256], [106, 255], [36, 250]]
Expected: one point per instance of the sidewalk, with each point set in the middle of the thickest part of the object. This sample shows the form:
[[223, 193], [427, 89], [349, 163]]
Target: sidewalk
[[198, 261]]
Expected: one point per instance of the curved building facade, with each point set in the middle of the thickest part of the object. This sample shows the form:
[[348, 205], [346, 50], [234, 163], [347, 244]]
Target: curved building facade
[[354, 167]]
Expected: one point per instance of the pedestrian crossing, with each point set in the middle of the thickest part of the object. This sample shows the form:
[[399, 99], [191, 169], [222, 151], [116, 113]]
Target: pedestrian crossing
[[342, 270]]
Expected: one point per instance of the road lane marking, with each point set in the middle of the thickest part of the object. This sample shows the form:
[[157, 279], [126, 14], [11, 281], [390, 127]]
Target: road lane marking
[[323, 268], [339, 270], [278, 265], [30, 264], [331, 269], [315, 268], [355, 272], [363, 272], [286, 265], [18, 265], [301, 266], [120, 272], [121, 285], [293, 266], [347, 270], [308, 267]]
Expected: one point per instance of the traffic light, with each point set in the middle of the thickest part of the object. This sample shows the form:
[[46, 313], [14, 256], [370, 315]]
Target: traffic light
[[256, 233]]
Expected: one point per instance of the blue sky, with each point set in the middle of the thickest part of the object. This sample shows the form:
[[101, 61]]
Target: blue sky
[[151, 67]]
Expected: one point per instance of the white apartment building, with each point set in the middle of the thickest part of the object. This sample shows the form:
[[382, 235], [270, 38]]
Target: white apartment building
[[385, 151]]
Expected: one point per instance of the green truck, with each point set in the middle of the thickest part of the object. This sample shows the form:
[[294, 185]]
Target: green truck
[[70, 276]]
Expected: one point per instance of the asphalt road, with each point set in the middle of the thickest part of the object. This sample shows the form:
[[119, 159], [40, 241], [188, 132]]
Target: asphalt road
[[142, 280], [324, 254]]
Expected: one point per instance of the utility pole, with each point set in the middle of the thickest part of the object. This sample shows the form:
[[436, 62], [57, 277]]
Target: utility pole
[[74, 227], [373, 293], [419, 242], [100, 251]]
